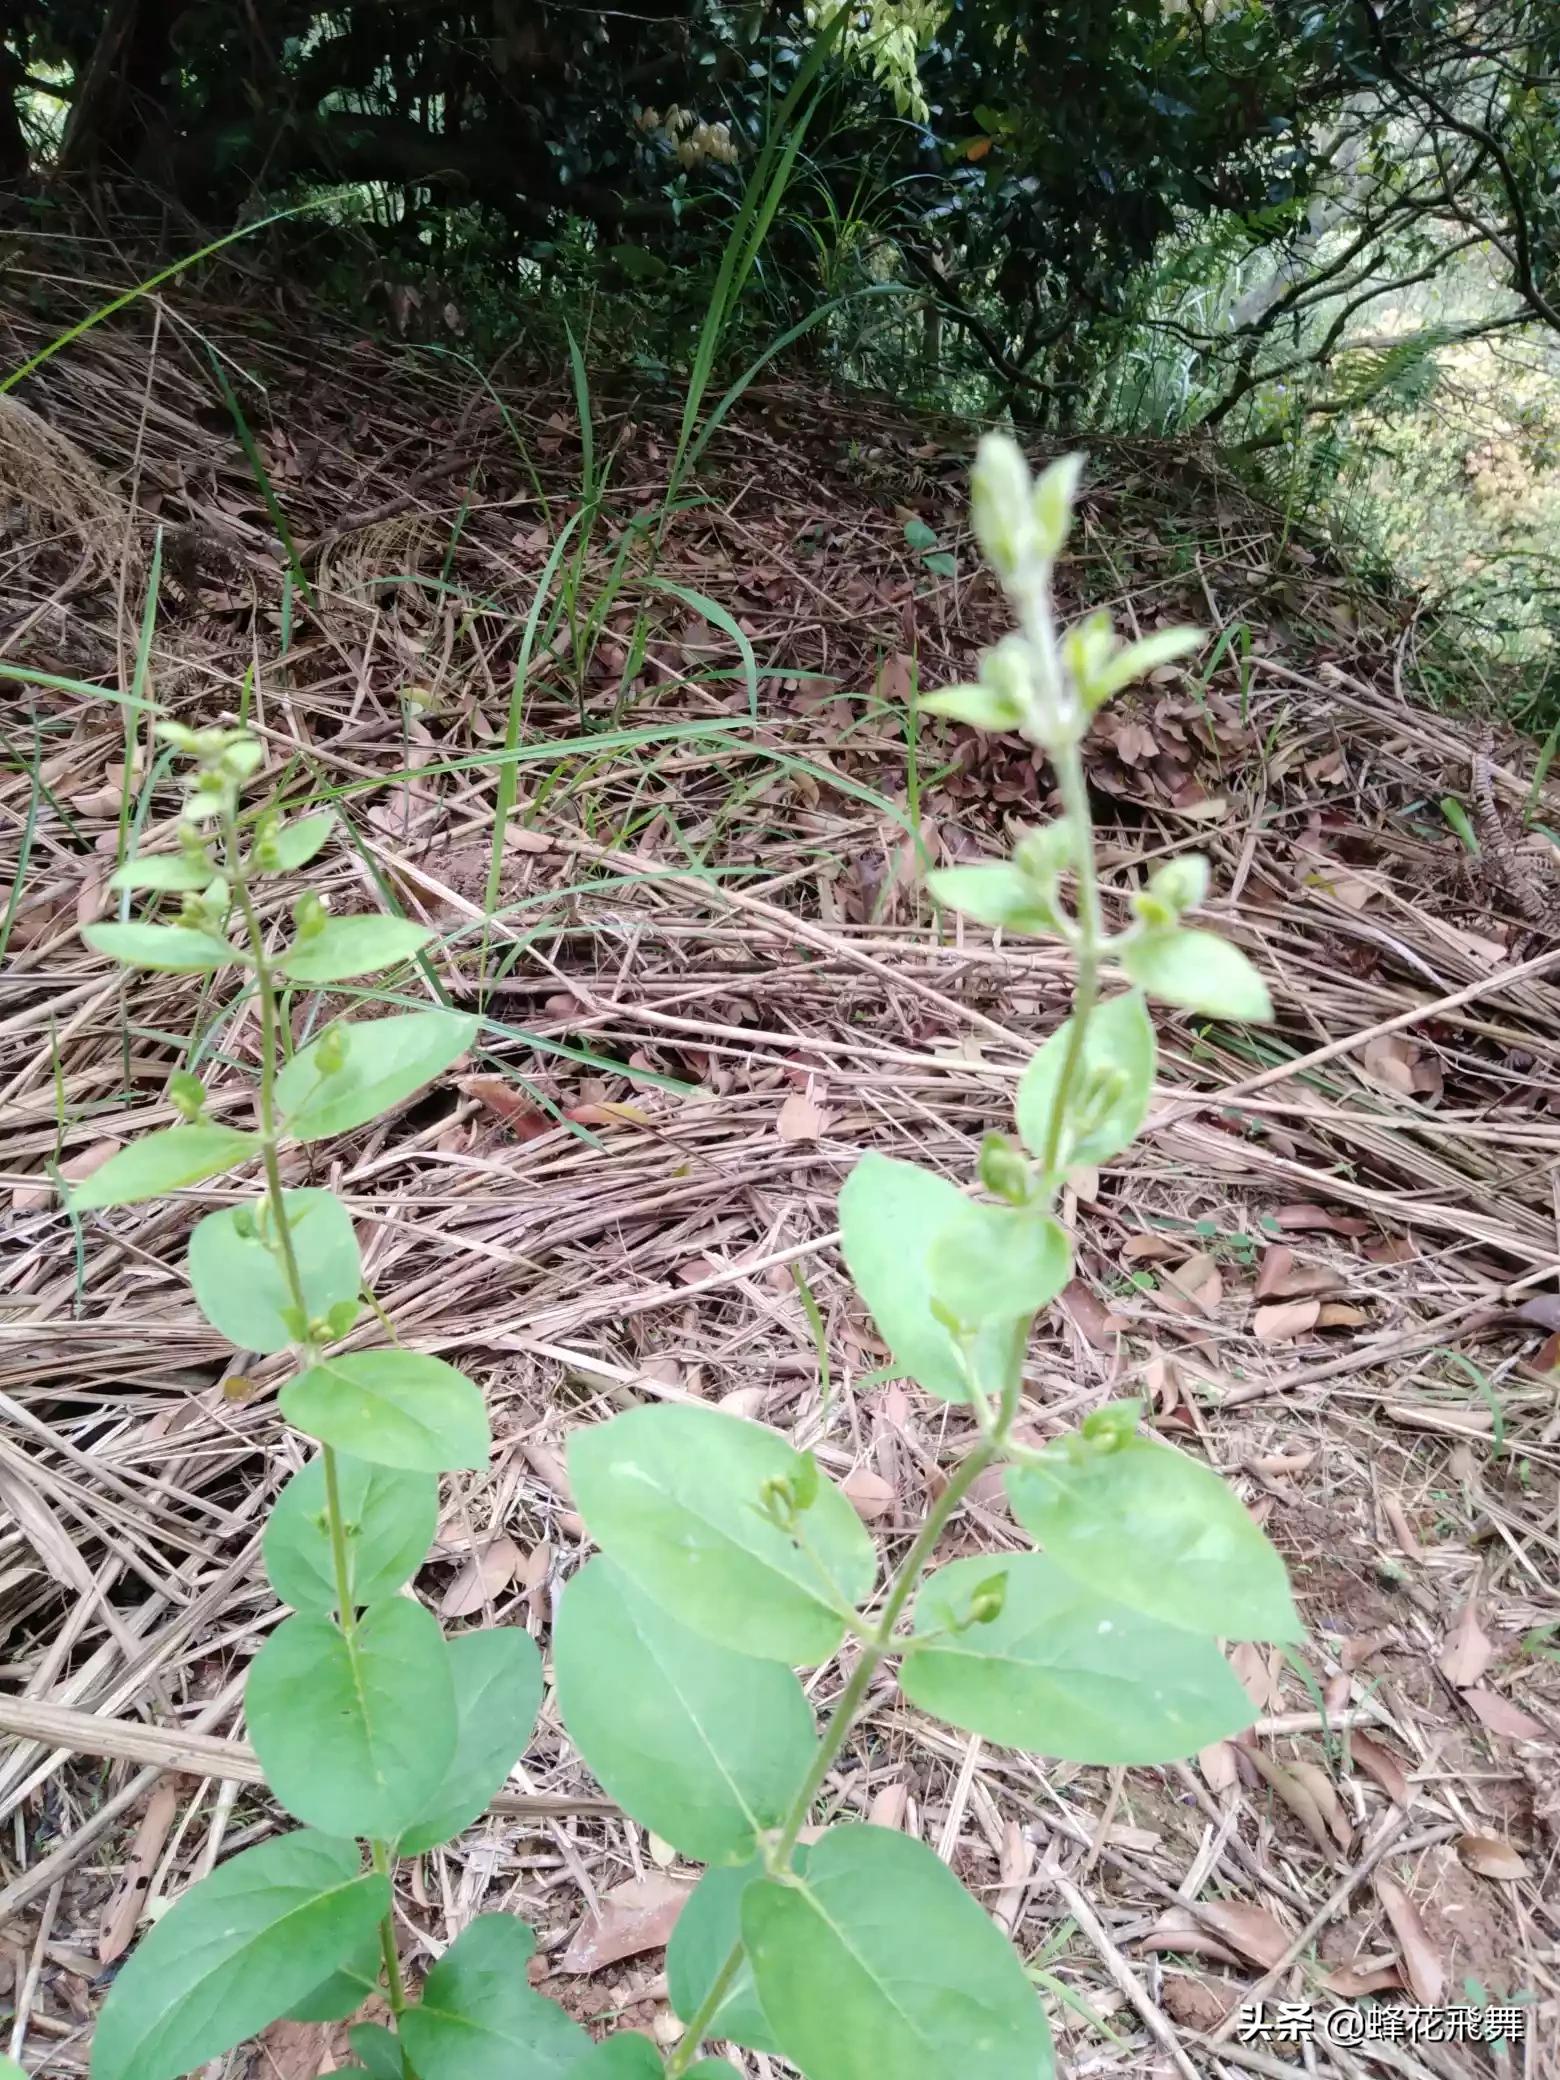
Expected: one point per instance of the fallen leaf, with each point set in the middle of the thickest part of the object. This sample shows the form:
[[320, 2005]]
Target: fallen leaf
[[523, 1119], [1275, 1267], [1468, 1651], [1257, 1672], [1396, 1249], [1217, 1763], [1305, 1216], [1541, 1312], [801, 1118], [1283, 1322], [1421, 1962], [1489, 1857], [1287, 1786], [481, 1578], [635, 1917], [1178, 1929], [1338, 1314], [1195, 2002], [1198, 1282], [1319, 1783], [1381, 1765], [871, 1495], [1351, 1980], [1090, 1315], [1149, 1249], [1500, 1715], [1361, 1647], [1250, 1930], [889, 1805]]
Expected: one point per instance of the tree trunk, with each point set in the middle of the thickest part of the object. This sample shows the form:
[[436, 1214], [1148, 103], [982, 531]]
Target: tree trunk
[[118, 110]]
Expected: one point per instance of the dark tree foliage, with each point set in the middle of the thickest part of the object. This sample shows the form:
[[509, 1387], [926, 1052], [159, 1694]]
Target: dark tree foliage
[[1059, 146]]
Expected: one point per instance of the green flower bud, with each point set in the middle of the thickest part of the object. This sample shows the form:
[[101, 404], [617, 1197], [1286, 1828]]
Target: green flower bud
[[987, 1600], [187, 1095], [1053, 505], [330, 1050], [310, 915], [241, 759], [1181, 884], [1045, 852], [1112, 1426], [1000, 509], [244, 1224], [1003, 1171]]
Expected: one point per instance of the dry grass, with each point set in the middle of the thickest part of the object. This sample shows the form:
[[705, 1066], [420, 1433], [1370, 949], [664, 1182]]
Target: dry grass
[[1328, 1266]]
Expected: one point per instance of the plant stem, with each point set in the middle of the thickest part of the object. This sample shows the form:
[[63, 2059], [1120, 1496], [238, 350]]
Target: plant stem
[[265, 996], [878, 1646], [1074, 790]]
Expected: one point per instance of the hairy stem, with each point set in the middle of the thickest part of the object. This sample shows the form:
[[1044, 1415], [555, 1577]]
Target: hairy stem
[[1074, 790], [879, 1644]]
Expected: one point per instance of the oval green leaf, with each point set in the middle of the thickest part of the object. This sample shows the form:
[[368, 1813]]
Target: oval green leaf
[[994, 894], [1199, 971], [390, 1518], [164, 871], [392, 1408], [673, 1495], [879, 1962], [354, 1735], [479, 2019], [379, 2050], [891, 1215], [1192, 1554], [1065, 1672], [345, 1991], [170, 948], [240, 1286], [703, 1746], [497, 1675], [233, 1953], [1116, 1068], [297, 842], [164, 1162], [706, 1931], [627, 2056], [999, 1264], [348, 946], [386, 1060]]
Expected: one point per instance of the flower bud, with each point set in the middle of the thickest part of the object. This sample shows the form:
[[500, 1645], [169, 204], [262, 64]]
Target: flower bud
[[1000, 509], [987, 1600], [1112, 1426], [330, 1050], [1044, 853], [1003, 1171], [187, 1095], [309, 915], [1181, 884]]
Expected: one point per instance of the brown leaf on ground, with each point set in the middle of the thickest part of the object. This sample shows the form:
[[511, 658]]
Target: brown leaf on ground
[[485, 1574], [1351, 1980], [1276, 1265], [1090, 1315], [1381, 1765], [1422, 1965], [1217, 1763], [1285, 1321], [1259, 1674], [1288, 1786], [1319, 1783], [1500, 1715], [871, 1495], [1469, 1650], [1489, 1857], [801, 1118], [509, 1103], [1306, 1216], [1178, 1929], [124, 1909], [1252, 1931], [1196, 2002], [634, 1917]]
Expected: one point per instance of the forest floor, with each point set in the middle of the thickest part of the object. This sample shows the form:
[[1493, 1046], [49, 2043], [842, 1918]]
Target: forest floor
[[1330, 1265]]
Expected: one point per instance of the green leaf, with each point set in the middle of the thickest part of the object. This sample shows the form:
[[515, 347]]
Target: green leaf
[[1063, 1671], [1199, 971], [162, 870], [479, 2019], [997, 895], [386, 1060], [233, 1953], [379, 2049], [701, 1745], [392, 1408], [627, 2056], [983, 707], [10, 2070], [240, 1285], [497, 1675], [891, 1214], [999, 1263], [1136, 660], [1194, 1556], [702, 1939], [673, 1494], [919, 535], [352, 946], [163, 1162], [1111, 1087], [296, 843], [880, 1962], [345, 1991], [941, 565], [390, 1518], [172, 948], [354, 1734]]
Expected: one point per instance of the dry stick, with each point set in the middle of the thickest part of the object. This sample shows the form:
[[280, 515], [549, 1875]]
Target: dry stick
[[1121, 1972], [1338, 1897]]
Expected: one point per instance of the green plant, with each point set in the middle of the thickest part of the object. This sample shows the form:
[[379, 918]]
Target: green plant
[[727, 1560]]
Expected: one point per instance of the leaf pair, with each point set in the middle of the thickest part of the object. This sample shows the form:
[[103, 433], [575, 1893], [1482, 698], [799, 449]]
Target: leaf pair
[[390, 1732], [344, 947]]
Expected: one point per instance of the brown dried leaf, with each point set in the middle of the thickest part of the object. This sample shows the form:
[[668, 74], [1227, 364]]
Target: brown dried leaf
[[1250, 1930], [1090, 1315], [523, 1119], [634, 1917], [1179, 1929], [1286, 1785], [482, 1578], [1338, 1314], [1382, 1765], [801, 1118], [1500, 1715], [1469, 1650], [1306, 1216], [1259, 1675], [871, 1495], [1421, 1962], [1217, 1763], [889, 1805], [1197, 2002], [1283, 1322], [1325, 1792], [1489, 1857], [1351, 1980], [1275, 1267], [124, 1909]]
